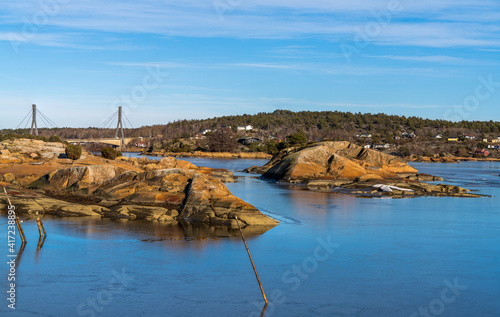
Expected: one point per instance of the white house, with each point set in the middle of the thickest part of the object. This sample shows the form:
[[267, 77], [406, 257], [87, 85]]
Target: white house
[[244, 128], [381, 146], [364, 135], [408, 135]]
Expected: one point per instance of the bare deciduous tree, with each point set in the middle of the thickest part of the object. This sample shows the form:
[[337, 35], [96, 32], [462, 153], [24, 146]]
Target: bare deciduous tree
[[222, 140]]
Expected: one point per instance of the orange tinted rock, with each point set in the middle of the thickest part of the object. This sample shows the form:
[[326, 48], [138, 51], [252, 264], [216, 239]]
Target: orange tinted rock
[[342, 168], [78, 177], [185, 165], [333, 160], [199, 198], [9, 177], [147, 187], [368, 177], [209, 201], [171, 162]]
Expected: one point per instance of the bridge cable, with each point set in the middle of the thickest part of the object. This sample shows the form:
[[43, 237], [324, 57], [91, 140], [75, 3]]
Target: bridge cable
[[23, 120], [132, 126], [112, 122], [46, 122], [110, 119], [106, 121], [48, 119], [50, 124], [26, 125], [43, 121]]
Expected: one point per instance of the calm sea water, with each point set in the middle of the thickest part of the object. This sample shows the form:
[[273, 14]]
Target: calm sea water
[[332, 255]]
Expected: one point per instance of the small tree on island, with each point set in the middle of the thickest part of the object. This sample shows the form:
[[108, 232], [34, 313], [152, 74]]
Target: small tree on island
[[73, 152], [55, 138], [110, 153], [297, 139]]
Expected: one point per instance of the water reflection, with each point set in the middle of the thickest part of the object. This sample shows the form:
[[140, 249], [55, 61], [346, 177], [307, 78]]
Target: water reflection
[[20, 253], [102, 229], [400, 250], [263, 311], [41, 241]]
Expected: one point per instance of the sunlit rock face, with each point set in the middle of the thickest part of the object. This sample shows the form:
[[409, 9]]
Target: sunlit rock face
[[333, 160]]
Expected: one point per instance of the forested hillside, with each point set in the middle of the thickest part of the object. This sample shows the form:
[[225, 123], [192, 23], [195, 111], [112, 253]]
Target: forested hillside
[[276, 126], [314, 124]]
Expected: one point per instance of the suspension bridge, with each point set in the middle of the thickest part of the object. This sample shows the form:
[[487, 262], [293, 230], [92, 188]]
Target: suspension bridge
[[118, 141]]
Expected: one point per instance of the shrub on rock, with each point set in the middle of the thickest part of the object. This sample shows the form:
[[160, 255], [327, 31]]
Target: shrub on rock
[[73, 152], [110, 153], [55, 138]]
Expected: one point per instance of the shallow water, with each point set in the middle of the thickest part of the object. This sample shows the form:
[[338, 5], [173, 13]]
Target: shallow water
[[332, 255]]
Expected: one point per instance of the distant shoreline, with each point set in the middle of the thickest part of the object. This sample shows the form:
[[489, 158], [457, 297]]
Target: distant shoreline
[[221, 155], [261, 155], [448, 159]]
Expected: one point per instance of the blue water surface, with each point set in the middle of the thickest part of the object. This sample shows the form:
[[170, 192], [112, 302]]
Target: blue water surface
[[331, 255]]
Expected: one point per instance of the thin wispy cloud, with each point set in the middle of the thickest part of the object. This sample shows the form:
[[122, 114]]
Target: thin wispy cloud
[[318, 68], [265, 66], [290, 19], [301, 52], [248, 56], [430, 59]]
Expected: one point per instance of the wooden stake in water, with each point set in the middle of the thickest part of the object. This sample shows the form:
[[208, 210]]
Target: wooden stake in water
[[20, 229], [16, 220], [251, 260], [40, 232], [7, 195], [41, 229]]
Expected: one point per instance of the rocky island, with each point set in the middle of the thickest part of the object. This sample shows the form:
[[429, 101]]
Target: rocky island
[[349, 168], [41, 180]]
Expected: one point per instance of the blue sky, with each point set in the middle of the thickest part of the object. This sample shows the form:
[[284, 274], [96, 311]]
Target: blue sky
[[169, 60]]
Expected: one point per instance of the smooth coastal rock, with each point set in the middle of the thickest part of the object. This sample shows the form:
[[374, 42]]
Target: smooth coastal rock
[[209, 201], [332, 160], [198, 198], [79, 178], [425, 178], [348, 168], [167, 191], [30, 203]]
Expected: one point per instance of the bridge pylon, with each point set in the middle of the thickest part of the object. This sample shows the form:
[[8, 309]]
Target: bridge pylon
[[119, 127], [33, 121]]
